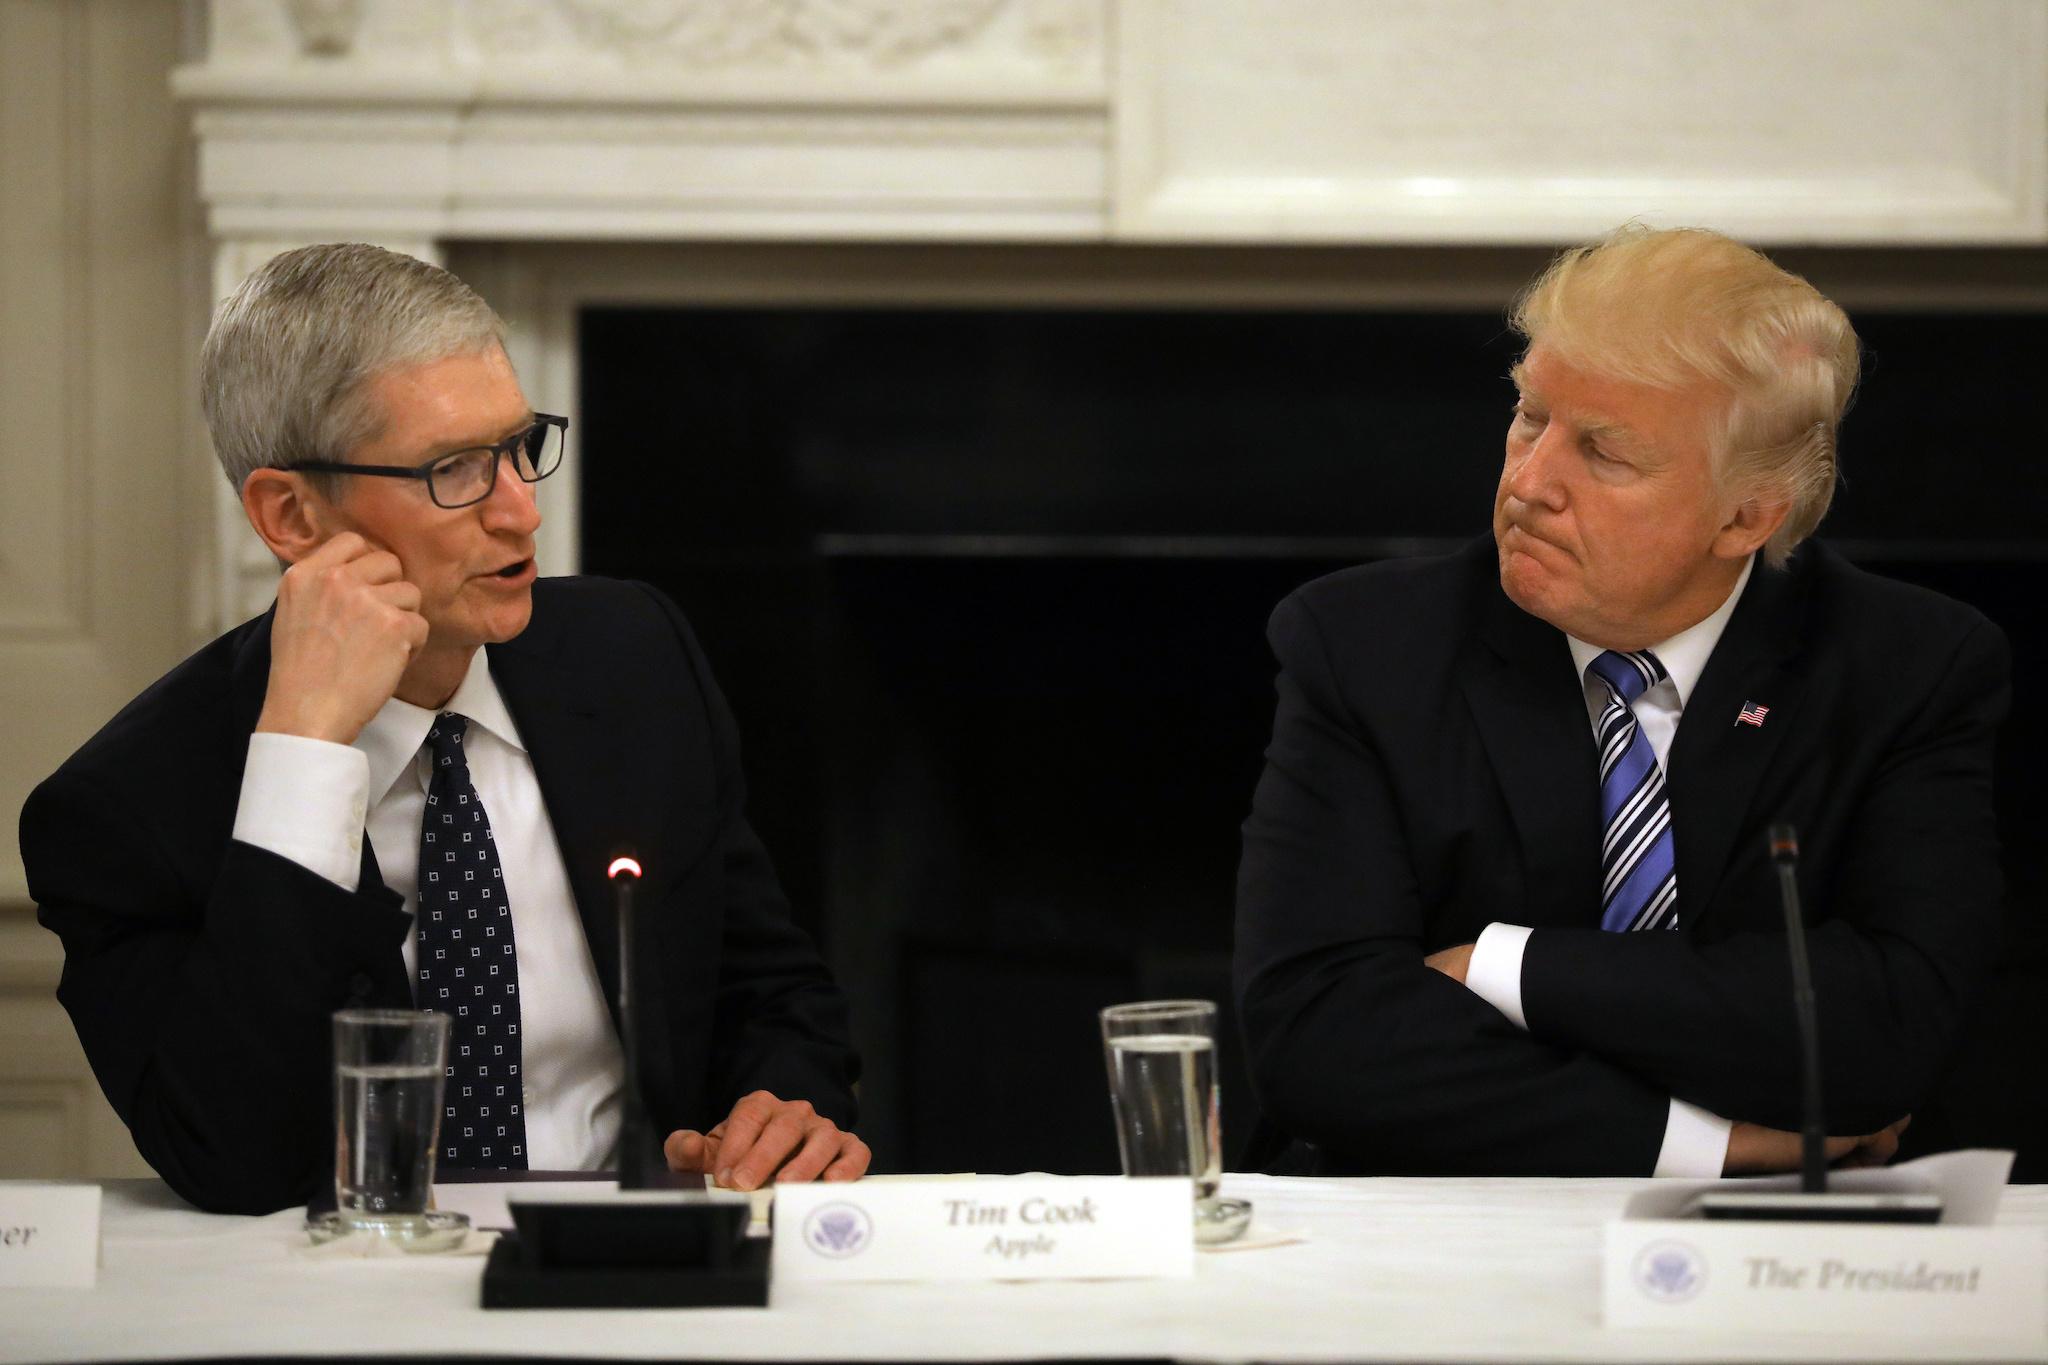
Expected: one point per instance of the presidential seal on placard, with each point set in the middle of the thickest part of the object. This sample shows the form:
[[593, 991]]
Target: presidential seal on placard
[[1669, 1272], [838, 1230]]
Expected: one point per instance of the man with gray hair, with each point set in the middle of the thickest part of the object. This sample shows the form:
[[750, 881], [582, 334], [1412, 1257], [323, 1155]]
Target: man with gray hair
[[401, 787], [1505, 904]]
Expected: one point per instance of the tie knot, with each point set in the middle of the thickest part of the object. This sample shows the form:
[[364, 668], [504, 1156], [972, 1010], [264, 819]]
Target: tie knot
[[1630, 675], [445, 739]]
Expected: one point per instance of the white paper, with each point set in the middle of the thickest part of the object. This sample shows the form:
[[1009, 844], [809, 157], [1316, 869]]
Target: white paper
[[1000, 1228], [49, 1234]]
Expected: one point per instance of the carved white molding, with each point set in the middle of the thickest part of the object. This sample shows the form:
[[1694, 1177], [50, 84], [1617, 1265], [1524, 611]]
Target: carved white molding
[[1044, 36], [666, 119], [1294, 121], [1498, 121]]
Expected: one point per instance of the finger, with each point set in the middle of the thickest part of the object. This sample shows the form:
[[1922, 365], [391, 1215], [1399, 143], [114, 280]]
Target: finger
[[376, 566], [852, 1161], [783, 1135], [398, 593], [686, 1150], [820, 1145], [339, 548], [742, 1126], [414, 628]]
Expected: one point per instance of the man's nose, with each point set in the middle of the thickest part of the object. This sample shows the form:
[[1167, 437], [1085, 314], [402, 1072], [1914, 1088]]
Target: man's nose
[[513, 504], [1535, 473]]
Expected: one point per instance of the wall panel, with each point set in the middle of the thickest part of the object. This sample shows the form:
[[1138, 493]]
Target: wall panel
[[98, 241]]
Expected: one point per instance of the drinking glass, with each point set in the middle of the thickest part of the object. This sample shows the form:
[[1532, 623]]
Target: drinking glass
[[1162, 1089], [389, 1066]]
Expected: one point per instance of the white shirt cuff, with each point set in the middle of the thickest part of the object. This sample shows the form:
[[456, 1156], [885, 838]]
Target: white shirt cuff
[[1695, 1143], [1495, 972], [305, 799]]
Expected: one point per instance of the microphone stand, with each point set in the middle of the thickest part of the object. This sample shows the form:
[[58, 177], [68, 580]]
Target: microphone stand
[[650, 1245], [1813, 1155], [1813, 1202], [639, 1165]]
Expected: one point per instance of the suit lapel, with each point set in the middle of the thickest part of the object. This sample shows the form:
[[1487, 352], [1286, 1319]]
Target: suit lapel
[[573, 745], [1532, 719], [1717, 764]]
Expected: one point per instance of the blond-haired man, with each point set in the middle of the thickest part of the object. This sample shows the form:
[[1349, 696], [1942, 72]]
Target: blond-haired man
[[1505, 903]]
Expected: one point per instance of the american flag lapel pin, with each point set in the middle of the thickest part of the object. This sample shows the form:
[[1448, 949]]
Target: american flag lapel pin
[[1752, 714]]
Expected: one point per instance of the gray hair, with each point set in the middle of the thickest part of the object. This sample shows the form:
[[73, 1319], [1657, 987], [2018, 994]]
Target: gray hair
[[282, 374]]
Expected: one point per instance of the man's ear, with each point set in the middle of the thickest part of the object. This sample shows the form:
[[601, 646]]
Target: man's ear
[[1754, 521], [287, 512]]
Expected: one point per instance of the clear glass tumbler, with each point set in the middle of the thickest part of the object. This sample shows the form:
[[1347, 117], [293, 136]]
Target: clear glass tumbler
[[389, 1067], [1162, 1088]]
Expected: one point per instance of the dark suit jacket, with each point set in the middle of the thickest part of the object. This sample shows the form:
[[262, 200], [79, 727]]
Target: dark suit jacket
[[1432, 771], [200, 972]]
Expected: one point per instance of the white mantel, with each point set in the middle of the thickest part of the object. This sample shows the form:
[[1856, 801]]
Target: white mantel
[[424, 123]]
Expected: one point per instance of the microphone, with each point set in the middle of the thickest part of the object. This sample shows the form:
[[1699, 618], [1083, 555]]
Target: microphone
[[650, 1243], [1784, 846], [638, 1167], [1812, 1202]]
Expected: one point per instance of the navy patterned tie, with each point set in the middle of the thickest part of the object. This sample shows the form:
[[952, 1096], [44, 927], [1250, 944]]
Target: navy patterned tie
[[468, 964], [1638, 873]]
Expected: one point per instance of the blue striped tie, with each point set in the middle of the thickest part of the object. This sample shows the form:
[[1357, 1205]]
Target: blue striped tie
[[1638, 875]]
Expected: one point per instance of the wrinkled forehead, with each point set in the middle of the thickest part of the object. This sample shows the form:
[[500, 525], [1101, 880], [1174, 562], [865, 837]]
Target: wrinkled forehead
[[1671, 418]]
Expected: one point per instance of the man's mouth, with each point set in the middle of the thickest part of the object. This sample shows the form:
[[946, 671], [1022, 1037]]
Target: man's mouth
[[514, 569]]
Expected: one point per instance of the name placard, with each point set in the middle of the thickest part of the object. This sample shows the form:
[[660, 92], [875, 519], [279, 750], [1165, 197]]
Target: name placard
[[1900, 1281], [49, 1234], [1021, 1228]]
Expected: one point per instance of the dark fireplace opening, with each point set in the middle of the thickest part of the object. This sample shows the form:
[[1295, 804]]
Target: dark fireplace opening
[[987, 590]]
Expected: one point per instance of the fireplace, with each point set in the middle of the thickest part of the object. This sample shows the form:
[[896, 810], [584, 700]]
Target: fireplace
[[987, 589]]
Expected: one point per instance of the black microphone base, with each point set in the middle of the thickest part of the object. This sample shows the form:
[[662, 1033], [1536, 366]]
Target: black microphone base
[[628, 1255], [1798, 1207]]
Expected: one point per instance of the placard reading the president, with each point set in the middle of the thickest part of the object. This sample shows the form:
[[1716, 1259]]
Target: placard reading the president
[[1904, 1282], [1026, 1228], [49, 1234]]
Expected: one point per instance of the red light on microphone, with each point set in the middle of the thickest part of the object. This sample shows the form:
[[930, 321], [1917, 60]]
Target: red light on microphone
[[623, 867]]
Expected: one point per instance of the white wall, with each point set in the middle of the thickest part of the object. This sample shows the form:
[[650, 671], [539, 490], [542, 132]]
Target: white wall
[[102, 505]]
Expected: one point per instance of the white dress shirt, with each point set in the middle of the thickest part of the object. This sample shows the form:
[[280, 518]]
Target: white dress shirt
[[312, 802], [1695, 1141]]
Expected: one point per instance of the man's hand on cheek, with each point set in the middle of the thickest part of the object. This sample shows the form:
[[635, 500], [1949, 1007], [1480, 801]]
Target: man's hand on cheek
[[766, 1138], [347, 625]]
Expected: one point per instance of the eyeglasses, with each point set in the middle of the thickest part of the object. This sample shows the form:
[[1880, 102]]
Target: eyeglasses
[[462, 478]]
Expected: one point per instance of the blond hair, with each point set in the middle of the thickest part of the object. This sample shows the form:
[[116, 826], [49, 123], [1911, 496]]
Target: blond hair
[[1671, 308], [281, 375]]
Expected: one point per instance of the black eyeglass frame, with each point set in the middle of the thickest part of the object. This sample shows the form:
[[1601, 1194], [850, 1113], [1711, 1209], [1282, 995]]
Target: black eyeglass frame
[[507, 448]]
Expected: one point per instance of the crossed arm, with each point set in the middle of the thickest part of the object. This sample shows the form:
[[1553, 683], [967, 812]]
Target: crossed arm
[[1359, 1048]]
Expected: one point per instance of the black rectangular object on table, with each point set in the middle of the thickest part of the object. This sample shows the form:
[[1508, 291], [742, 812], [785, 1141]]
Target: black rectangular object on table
[[627, 1254]]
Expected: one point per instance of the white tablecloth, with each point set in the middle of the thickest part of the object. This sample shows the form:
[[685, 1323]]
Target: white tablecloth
[[1392, 1270]]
